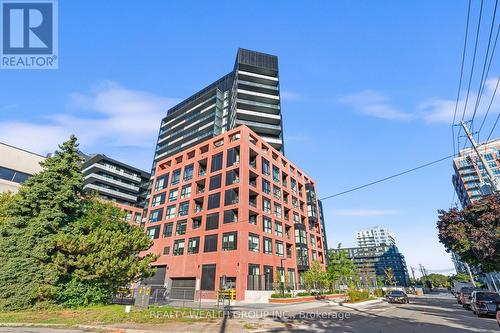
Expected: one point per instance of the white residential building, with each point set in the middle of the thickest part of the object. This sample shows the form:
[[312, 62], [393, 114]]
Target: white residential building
[[375, 236]]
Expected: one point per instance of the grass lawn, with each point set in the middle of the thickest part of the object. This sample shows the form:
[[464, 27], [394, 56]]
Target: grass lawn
[[108, 314]]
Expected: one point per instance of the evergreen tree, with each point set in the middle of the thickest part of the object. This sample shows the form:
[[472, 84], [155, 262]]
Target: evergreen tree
[[46, 203]]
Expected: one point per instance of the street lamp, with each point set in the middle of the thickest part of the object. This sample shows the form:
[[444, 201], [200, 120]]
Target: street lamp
[[282, 278]]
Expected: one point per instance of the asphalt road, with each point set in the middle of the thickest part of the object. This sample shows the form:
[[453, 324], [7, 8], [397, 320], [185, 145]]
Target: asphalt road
[[430, 314]]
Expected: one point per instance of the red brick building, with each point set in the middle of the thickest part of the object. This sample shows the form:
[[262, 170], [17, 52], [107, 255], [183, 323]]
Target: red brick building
[[233, 207]]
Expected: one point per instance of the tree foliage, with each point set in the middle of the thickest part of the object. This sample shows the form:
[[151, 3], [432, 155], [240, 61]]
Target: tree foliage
[[340, 268], [389, 276], [473, 233], [50, 235], [315, 277], [437, 280]]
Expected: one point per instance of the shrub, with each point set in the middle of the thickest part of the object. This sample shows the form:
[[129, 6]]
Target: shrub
[[356, 295], [303, 294], [379, 292], [279, 295]]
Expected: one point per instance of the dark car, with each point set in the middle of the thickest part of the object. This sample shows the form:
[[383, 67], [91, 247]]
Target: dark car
[[484, 302], [465, 296], [397, 296]]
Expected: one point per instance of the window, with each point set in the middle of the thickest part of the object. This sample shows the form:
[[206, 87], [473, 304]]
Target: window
[[176, 177], [196, 223], [230, 216], [293, 184], [207, 277], [295, 203], [278, 229], [178, 247], [137, 217], [229, 241], [253, 242], [266, 186], [277, 192], [215, 182], [267, 225], [167, 229], [183, 208], [276, 174], [253, 269], [279, 249], [172, 195], [212, 221], [230, 197], [265, 167], [153, 232], [268, 245], [194, 245], [156, 215], [296, 218], [213, 201], [314, 255], [210, 244], [300, 236], [266, 205], [233, 157], [216, 162], [186, 191], [180, 227], [277, 211], [170, 212], [312, 240], [161, 182], [128, 215], [188, 172], [158, 199], [166, 250], [232, 177], [252, 219]]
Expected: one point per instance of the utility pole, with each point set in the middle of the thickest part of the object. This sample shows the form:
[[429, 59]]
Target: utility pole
[[470, 274], [494, 181], [413, 274]]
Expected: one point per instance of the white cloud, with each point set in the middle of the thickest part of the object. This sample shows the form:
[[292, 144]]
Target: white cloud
[[439, 110], [364, 212], [110, 114], [375, 104], [288, 95]]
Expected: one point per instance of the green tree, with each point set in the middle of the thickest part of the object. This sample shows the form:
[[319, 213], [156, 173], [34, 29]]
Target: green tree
[[389, 276], [473, 233], [58, 246], [460, 277], [437, 280], [46, 203], [341, 269], [315, 277]]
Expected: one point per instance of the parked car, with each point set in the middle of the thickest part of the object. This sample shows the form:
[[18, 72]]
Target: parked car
[[465, 295], [397, 296], [484, 302]]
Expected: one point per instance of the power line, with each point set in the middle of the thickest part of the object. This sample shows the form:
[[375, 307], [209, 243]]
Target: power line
[[387, 178], [461, 74], [488, 110], [483, 76]]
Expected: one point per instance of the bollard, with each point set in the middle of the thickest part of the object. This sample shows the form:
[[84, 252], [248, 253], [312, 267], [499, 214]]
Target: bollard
[[128, 308]]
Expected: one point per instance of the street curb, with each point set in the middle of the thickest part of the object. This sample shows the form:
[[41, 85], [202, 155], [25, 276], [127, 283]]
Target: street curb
[[32, 325], [361, 304]]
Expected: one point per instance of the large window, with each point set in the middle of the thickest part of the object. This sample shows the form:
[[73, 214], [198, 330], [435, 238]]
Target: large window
[[170, 212], [266, 205], [278, 229], [153, 232], [161, 182], [188, 172], [212, 221], [253, 242], [268, 245], [208, 277], [266, 186], [183, 208], [158, 199], [178, 247], [173, 195], [276, 174], [180, 227], [215, 182], [265, 167], [277, 211], [230, 216], [186, 191], [176, 177], [216, 162], [233, 156], [156, 215], [213, 201], [231, 197], [277, 192], [167, 229], [267, 225], [194, 245], [210, 244], [279, 249], [229, 241]]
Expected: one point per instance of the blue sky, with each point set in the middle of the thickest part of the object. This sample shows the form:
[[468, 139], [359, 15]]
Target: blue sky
[[368, 90]]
